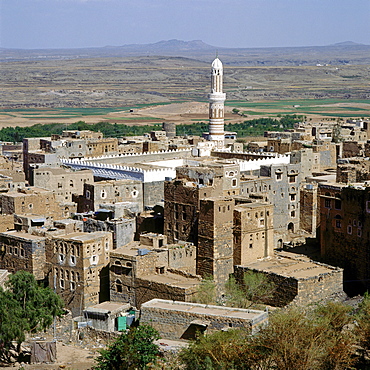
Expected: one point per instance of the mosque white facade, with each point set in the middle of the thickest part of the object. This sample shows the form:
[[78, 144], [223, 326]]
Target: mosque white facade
[[216, 98]]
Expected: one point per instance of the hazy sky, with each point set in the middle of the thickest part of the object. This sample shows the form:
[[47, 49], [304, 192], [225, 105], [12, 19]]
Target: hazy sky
[[231, 23]]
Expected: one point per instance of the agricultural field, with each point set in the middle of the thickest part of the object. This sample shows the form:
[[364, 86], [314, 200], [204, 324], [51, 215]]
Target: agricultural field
[[153, 89], [312, 108]]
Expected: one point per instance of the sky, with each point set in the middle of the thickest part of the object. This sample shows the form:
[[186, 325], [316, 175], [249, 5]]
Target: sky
[[34, 24]]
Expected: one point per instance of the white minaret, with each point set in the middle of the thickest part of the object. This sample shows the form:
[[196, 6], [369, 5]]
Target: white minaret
[[216, 106]]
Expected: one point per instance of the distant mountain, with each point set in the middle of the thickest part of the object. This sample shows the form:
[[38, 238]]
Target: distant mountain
[[338, 54], [346, 43]]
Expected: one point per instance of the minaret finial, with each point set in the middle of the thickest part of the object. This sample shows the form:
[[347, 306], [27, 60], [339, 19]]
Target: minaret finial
[[216, 53]]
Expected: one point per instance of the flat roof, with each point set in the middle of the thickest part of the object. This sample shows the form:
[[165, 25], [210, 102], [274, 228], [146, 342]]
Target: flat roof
[[108, 306], [84, 236], [172, 279], [292, 265], [22, 235], [203, 309]]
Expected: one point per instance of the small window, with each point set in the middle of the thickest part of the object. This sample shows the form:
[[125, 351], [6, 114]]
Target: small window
[[118, 286], [73, 260], [338, 204], [349, 229]]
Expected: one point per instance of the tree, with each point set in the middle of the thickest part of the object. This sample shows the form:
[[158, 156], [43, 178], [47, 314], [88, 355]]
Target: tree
[[363, 322], [308, 340], [25, 307], [131, 351], [206, 293], [220, 350], [294, 339], [255, 288]]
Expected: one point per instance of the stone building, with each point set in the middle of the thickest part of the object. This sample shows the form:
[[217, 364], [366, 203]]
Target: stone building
[[183, 195], [21, 251], [10, 180], [123, 229], [353, 170], [183, 320], [285, 196], [78, 268], [309, 218], [63, 182], [31, 201], [344, 231], [151, 268], [215, 240], [71, 144], [253, 232], [109, 192], [297, 279]]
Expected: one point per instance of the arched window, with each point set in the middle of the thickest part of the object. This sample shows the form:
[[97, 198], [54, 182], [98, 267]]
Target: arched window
[[118, 286]]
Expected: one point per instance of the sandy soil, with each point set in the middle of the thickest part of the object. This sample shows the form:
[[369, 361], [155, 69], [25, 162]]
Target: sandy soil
[[68, 358], [187, 113]]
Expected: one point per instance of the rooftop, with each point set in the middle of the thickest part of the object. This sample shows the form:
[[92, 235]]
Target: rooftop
[[292, 265], [203, 309]]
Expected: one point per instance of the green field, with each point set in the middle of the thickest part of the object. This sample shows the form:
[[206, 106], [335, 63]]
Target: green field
[[320, 107]]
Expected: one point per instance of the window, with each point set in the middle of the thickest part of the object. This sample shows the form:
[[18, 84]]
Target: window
[[338, 204], [87, 194], [61, 283], [73, 260], [61, 258], [234, 183], [118, 286], [159, 270], [250, 245], [103, 194], [278, 176], [349, 229], [327, 203], [292, 197]]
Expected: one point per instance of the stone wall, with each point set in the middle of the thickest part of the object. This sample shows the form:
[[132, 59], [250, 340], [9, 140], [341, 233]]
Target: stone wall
[[174, 319], [300, 290], [153, 193], [308, 219], [147, 290]]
